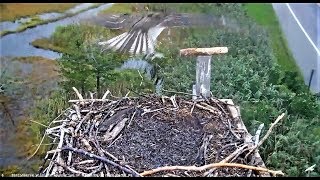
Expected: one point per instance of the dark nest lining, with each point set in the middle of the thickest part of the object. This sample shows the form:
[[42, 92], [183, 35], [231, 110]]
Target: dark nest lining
[[156, 132]]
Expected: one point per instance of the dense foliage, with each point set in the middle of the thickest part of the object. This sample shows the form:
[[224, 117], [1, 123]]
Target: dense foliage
[[86, 66], [249, 75]]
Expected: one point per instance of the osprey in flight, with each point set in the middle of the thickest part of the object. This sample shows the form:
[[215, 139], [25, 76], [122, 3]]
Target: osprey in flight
[[143, 30]]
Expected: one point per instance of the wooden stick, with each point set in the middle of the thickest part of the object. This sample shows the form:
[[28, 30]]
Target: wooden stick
[[135, 174], [270, 129], [256, 139], [105, 95], [71, 170], [209, 166], [35, 152], [38, 123], [88, 100], [78, 94], [228, 158], [203, 51], [266, 135]]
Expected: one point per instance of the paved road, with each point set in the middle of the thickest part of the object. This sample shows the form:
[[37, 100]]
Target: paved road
[[303, 39]]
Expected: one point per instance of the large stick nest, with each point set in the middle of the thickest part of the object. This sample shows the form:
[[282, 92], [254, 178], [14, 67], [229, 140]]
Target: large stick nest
[[127, 136]]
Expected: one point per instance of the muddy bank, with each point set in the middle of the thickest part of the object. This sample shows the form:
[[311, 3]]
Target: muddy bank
[[33, 78]]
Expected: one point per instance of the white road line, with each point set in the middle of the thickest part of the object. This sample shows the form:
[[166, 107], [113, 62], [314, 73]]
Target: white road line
[[303, 30]]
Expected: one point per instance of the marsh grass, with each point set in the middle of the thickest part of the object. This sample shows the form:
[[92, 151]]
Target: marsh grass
[[35, 21], [13, 11]]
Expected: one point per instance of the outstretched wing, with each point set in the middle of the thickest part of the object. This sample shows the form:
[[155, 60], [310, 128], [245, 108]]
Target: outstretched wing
[[200, 20], [144, 30], [113, 21], [141, 38]]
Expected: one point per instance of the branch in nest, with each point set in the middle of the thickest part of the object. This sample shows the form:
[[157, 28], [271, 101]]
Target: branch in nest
[[209, 166], [78, 94], [267, 134], [270, 129], [135, 174]]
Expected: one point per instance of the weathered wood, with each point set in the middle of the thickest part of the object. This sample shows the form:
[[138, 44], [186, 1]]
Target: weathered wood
[[203, 75], [203, 51], [235, 113]]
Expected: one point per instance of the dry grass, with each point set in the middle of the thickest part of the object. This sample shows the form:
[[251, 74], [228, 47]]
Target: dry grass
[[13, 11]]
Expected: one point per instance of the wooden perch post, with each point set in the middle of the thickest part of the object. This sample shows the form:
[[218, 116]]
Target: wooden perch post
[[203, 71]]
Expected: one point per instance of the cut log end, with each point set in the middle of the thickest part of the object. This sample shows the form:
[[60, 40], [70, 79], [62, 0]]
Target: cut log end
[[203, 51]]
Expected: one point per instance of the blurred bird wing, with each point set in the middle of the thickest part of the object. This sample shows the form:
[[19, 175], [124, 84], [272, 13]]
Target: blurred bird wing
[[199, 20], [113, 21], [141, 38]]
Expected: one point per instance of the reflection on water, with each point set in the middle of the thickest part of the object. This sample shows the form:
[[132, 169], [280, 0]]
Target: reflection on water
[[48, 16], [79, 7], [18, 44], [35, 78], [12, 26]]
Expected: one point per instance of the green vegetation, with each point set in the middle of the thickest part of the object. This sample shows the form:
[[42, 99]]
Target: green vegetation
[[251, 74], [119, 8], [25, 81], [13, 11], [45, 43], [264, 15], [35, 21]]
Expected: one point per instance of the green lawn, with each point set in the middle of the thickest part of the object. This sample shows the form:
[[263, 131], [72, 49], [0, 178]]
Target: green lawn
[[264, 15]]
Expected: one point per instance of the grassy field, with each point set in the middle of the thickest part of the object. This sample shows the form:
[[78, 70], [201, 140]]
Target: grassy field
[[13, 11], [46, 43], [264, 15]]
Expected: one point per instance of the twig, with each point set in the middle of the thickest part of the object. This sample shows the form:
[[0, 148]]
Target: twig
[[256, 139], [38, 123], [173, 100], [76, 107], [83, 119], [150, 111], [209, 166], [194, 103], [78, 94], [105, 95], [202, 154], [88, 100], [176, 92], [70, 169], [270, 130], [228, 158], [131, 119], [266, 135], [230, 129], [206, 108], [135, 174], [59, 159], [224, 147], [35, 152]]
